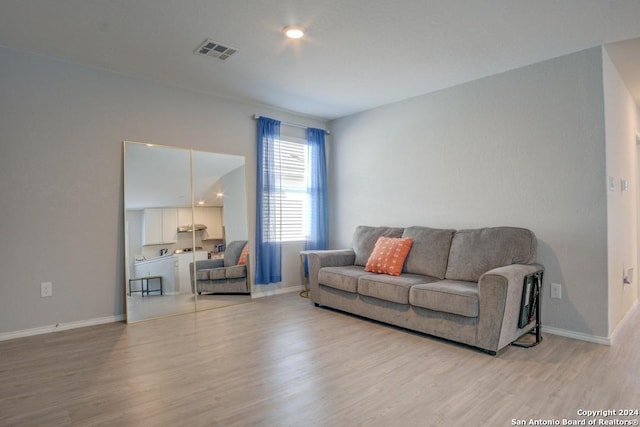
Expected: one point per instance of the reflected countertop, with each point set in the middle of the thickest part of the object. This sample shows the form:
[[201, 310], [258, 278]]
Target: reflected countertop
[[160, 258], [154, 259]]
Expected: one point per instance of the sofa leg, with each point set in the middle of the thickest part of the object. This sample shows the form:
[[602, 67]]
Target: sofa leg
[[316, 304], [491, 352]]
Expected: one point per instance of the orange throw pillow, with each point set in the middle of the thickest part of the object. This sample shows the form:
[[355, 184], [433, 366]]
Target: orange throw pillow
[[388, 255], [243, 255]]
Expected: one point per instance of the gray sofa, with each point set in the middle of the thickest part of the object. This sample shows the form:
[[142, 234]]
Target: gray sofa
[[223, 276], [464, 285]]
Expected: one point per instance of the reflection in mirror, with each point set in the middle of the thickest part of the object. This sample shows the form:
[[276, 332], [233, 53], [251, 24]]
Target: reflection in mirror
[[220, 210], [157, 192], [165, 233]]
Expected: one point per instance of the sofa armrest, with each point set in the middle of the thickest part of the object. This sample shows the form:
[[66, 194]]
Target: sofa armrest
[[328, 258], [249, 287], [499, 298]]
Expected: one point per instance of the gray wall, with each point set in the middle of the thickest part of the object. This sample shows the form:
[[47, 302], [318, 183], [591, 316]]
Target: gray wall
[[62, 127], [523, 148]]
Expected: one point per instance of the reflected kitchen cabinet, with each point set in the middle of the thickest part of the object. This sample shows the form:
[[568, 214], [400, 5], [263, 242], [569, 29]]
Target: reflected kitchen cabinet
[[182, 273], [185, 217], [207, 219], [160, 226], [211, 217], [159, 267]]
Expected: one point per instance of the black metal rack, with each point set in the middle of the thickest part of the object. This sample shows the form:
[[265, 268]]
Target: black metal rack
[[530, 309]]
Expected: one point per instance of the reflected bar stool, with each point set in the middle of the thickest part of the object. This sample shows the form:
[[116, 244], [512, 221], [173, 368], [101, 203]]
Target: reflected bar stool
[[145, 281]]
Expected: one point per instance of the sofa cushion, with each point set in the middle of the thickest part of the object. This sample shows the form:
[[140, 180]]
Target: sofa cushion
[[390, 288], [388, 255], [344, 278], [449, 296], [202, 274], [218, 273], [365, 238], [474, 252], [236, 272], [243, 255], [429, 252], [232, 252]]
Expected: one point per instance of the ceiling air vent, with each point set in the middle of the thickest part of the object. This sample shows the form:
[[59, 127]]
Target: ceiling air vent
[[214, 49]]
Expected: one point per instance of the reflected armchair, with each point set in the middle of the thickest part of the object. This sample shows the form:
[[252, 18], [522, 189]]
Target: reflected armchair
[[223, 276]]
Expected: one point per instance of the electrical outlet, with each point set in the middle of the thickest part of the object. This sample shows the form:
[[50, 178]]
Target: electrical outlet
[[556, 290], [46, 289]]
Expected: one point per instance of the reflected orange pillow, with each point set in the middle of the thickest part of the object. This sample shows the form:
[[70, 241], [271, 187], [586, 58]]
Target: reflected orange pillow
[[243, 255], [388, 255]]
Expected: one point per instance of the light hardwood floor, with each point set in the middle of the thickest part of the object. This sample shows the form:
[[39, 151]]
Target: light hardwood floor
[[279, 361]]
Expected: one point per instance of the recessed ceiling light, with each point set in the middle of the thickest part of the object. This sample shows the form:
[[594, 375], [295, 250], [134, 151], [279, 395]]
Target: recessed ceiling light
[[293, 31]]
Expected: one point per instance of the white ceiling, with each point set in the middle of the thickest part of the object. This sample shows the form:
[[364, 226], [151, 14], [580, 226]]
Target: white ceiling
[[357, 54], [160, 176]]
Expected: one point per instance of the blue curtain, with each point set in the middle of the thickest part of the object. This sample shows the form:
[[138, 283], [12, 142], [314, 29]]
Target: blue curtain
[[318, 232], [268, 246]]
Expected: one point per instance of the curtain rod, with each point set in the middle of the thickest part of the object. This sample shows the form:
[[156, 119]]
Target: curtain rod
[[295, 125]]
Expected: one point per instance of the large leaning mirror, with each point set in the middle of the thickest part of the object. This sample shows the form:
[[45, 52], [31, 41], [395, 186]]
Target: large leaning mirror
[[220, 209], [185, 216]]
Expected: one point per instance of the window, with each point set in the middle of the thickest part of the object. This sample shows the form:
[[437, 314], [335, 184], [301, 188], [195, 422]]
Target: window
[[292, 172], [290, 194]]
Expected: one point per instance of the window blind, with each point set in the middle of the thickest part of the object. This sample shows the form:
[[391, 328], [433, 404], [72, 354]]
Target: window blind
[[292, 197]]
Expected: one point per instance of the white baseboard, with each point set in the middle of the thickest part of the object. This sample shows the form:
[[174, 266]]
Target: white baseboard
[[60, 327], [593, 338], [110, 319], [257, 293], [577, 335], [624, 320]]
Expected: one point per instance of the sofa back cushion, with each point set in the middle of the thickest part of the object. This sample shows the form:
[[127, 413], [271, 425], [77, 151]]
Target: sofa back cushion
[[430, 251], [365, 238], [232, 252], [474, 252]]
